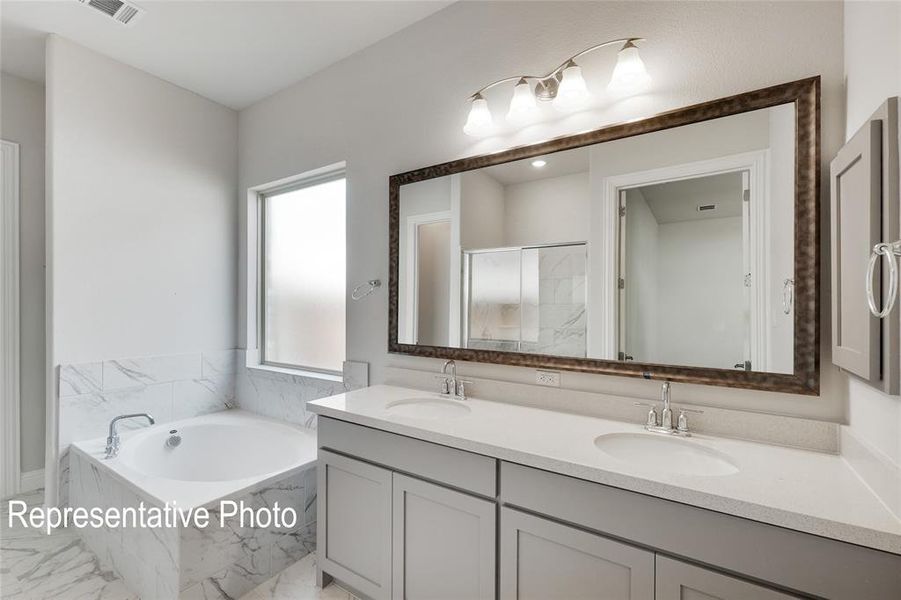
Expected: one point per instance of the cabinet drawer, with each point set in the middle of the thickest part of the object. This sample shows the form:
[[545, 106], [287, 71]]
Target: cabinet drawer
[[789, 559], [451, 467]]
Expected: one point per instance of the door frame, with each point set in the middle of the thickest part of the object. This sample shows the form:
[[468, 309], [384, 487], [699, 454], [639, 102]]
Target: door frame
[[9, 319], [757, 164], [411, 268]]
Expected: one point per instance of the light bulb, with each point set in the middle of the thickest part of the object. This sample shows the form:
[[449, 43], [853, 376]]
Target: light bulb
[[523, 106], [629, 74], [479, 122], [572, 92]]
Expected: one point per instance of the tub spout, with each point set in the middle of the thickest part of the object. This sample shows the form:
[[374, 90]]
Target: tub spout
[[112, 440]]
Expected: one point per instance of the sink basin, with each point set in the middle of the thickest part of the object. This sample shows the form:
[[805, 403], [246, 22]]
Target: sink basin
[[665, 453], [428, 408]]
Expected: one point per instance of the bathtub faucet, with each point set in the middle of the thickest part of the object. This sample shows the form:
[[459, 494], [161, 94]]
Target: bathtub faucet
[[112, 441]]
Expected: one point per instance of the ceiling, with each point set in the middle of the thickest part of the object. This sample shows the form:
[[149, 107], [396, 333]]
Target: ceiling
[[566, 162], [232, 52], [676, 201]]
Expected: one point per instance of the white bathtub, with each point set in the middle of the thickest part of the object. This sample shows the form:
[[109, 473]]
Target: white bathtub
[[232, 455], [220, 454]]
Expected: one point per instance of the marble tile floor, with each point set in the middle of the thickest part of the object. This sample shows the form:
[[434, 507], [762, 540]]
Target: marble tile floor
[[35, 566]]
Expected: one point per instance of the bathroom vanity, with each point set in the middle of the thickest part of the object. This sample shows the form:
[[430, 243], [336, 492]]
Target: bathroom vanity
[[425, 496]]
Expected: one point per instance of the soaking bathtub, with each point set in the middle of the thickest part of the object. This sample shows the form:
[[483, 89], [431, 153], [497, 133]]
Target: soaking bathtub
[[232, 456]]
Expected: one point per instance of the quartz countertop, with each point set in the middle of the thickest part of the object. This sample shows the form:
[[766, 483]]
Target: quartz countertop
[[806, 491]]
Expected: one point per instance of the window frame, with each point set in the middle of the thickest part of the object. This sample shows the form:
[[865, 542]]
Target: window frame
[[256, 271]]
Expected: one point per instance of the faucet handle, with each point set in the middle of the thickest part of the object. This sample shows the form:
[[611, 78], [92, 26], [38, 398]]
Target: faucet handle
[[694, 411], [652, 414], [445, 384], [460, 392]]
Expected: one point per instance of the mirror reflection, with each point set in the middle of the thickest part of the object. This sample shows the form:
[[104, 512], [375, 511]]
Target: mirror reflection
[[674, 247]]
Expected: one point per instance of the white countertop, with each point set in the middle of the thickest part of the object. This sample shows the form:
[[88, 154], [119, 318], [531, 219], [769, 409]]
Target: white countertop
[[806, 491]]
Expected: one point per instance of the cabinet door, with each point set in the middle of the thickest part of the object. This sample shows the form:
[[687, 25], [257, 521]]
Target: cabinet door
[[354, 524], [677, 580], [444, 543], [856, 226], [543, 560]]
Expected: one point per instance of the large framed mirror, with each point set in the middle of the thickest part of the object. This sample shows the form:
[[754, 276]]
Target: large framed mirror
[[682, 247]]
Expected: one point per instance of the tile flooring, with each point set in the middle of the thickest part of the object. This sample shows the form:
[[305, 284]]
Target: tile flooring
[[35, 566]]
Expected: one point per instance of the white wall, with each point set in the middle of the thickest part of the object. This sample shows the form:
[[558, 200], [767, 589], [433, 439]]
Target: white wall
[[481, 211], [142, 224], [144, 212], [695, 52], [700, 293], [22, 121], [547, 211], [873, 72]]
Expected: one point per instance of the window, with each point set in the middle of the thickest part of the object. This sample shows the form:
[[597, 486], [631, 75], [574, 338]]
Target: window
[[302, 233]]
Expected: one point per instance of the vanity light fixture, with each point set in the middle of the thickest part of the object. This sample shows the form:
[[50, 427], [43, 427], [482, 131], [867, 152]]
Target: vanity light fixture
[[564, 87], [539, 163]]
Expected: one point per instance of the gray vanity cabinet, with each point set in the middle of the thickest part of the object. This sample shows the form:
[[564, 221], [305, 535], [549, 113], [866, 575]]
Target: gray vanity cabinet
[[443, 543], [677, 580], [544, 560], [354, 520]]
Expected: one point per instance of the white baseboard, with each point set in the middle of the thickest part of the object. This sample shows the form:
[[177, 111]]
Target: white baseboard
[[32, 480]]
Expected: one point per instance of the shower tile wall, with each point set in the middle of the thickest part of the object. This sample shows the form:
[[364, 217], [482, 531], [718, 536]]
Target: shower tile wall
[[562, 324]]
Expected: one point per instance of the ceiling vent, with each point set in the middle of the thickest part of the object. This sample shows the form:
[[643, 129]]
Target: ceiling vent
[[124, 13], [706, 207]]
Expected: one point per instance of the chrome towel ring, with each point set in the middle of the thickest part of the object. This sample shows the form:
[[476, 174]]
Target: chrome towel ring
[[364, 289], [889, 251]]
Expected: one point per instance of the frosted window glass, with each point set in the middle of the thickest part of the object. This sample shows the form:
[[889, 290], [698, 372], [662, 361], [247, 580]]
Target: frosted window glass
[[304, 277]]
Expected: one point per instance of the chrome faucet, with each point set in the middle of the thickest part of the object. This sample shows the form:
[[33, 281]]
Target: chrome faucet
[[665, 425], [451, 385], [112, 441]]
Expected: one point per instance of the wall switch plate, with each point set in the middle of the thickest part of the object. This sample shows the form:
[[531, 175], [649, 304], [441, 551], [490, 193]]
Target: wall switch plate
[[548, 378]]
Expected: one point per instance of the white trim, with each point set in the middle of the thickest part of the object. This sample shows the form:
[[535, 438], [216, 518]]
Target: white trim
[[31, 480], [757, 162], [252, 281], [411, 267], [9, 317]]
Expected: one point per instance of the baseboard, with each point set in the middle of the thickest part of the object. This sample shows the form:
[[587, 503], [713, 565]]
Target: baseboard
[[32, 480]]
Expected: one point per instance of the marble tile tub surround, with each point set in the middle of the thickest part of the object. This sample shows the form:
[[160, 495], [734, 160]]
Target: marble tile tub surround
[[795, 432], [189, 562], [168, 387], [283, 396]]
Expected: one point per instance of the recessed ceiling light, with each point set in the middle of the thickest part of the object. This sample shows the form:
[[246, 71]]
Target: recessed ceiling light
[[538, 163]]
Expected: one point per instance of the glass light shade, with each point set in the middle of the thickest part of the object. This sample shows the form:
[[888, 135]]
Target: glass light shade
[[479, 122], [523, 107], [572, 93], [629, 74]]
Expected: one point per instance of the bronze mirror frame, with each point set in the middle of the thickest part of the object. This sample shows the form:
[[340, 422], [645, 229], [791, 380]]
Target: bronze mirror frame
[[805, 95]]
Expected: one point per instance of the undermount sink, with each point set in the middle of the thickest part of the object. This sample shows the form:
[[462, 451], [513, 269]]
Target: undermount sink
[[665, 453], [428, 408]]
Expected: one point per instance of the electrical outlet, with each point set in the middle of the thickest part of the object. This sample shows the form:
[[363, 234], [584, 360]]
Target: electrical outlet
[[548, 378]]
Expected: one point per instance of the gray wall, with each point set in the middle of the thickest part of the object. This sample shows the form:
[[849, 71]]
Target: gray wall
[[22, 121], [695, 52]]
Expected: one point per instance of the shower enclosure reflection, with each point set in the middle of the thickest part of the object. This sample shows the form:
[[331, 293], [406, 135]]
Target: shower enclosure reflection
[[527, 299]]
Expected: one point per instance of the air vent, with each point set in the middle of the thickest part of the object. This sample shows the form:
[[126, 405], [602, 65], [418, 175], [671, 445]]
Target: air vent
[[124, 13], [706, 207]]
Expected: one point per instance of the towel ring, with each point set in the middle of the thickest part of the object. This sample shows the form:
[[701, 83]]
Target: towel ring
[[889, 251], [788, 295], [368, 287]]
